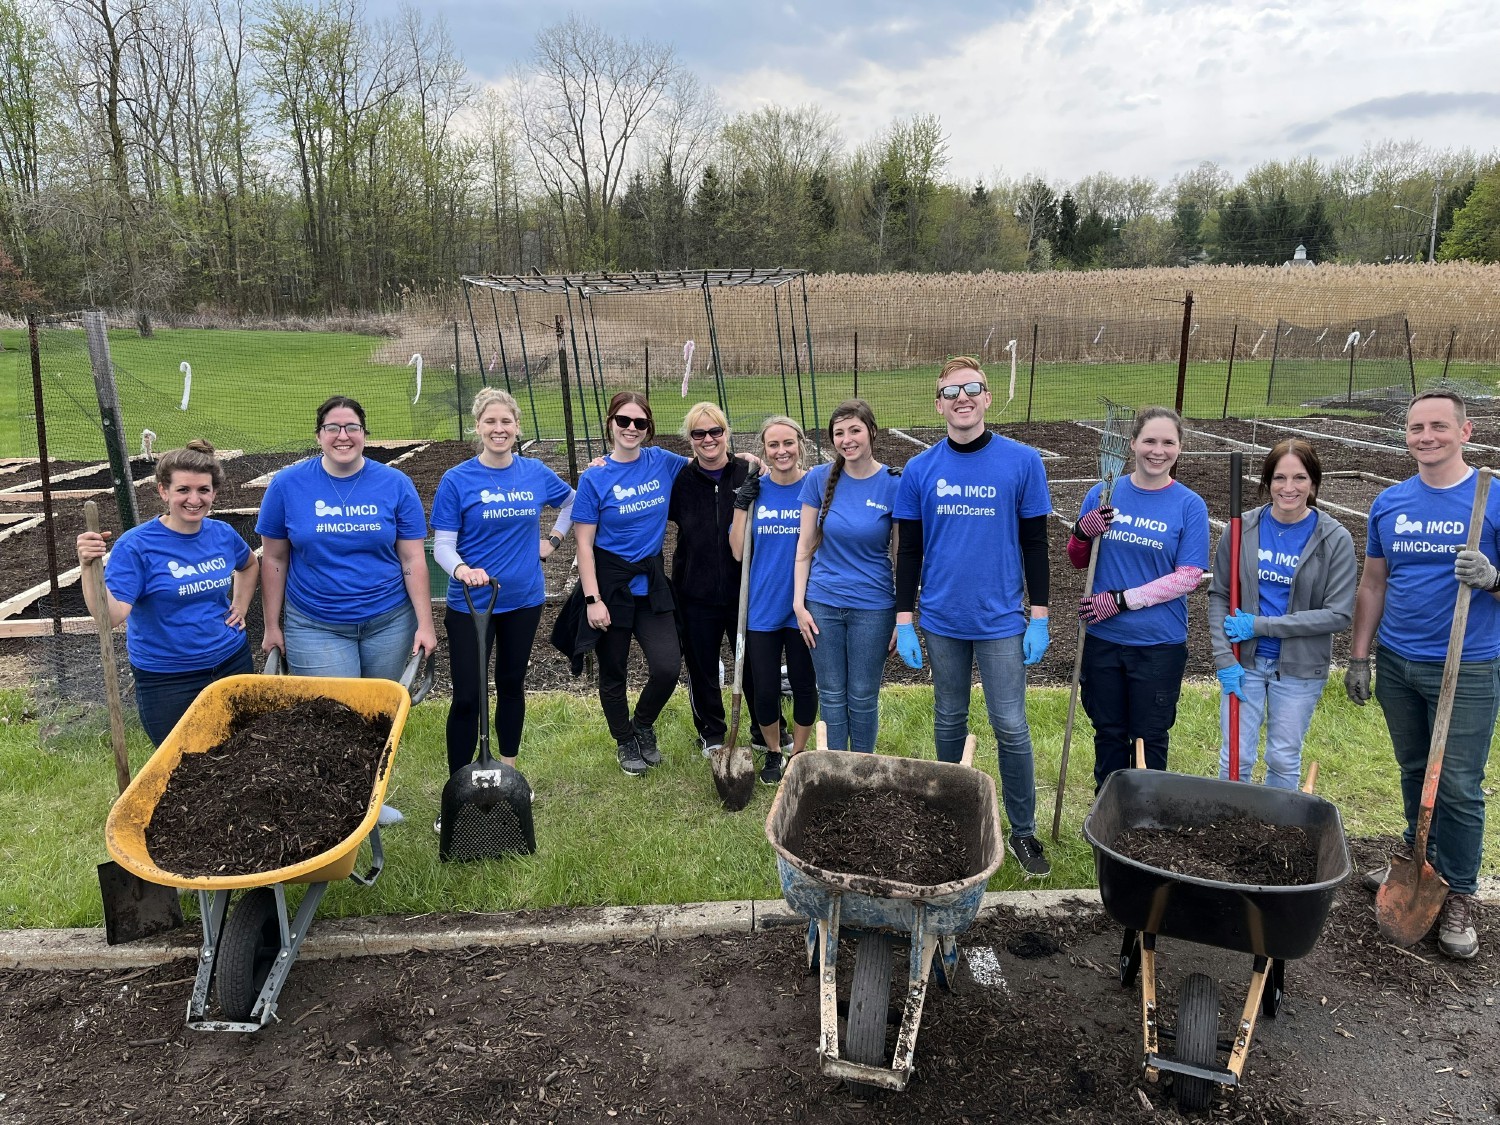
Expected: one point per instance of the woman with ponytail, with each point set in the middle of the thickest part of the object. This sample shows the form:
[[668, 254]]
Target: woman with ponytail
[[844, 592]]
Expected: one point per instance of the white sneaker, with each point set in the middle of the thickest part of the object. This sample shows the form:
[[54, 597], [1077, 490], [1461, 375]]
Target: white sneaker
[[389, 816], [710, 747]]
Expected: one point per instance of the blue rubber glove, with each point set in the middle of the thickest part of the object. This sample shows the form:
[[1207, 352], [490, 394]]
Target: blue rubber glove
[[1232, 679], [907, 645], [1034, 643], [1239, 626]]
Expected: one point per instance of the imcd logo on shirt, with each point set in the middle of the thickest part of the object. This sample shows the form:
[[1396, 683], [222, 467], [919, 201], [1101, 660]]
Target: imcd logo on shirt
[[946, 489], [182, 570], [1265, 555], [1405, 526], [489, 497], [322, 510], [623, 493]]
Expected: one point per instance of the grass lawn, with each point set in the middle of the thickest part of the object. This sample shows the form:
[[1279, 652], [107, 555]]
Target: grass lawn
[[605, 839], [257, 390]]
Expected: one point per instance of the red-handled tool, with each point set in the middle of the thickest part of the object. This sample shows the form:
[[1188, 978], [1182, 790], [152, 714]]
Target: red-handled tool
[[1236, 478]]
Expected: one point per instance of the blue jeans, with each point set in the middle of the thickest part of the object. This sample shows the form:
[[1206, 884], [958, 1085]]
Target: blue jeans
[[847, 663], [1003, 677], [161, 698], [1130, 692], [1286, 703], [375, 649], [1408, 694]]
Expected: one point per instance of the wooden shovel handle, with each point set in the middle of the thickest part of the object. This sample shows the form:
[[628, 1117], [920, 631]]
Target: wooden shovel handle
[[93, 574]]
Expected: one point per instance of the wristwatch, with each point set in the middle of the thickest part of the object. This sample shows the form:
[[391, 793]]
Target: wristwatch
[[590, 599], [555, 539]]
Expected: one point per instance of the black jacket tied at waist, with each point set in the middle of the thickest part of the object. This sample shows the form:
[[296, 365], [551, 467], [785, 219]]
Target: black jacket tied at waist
[[572, 635]]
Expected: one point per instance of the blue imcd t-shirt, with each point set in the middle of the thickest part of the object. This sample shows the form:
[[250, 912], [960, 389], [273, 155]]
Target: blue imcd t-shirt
[[777, 518], [971, 506], [179, 587], [627, 500], [852, 567], [1153, 533], [498, 516], [1277, 558], [1418, 529], [343, 531]]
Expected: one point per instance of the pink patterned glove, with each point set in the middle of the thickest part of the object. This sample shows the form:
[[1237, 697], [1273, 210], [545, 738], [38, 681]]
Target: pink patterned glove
[[1101, 606], [1094, 524]]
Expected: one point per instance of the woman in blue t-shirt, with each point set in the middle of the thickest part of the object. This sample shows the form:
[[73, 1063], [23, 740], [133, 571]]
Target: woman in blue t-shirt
[[619, 523], [1297, 582], [773, 508], [184, 583], [1153, 554], [845, 592], [487, 519]]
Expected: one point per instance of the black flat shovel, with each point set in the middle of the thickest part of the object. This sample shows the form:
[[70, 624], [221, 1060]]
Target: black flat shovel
[[133, 907]]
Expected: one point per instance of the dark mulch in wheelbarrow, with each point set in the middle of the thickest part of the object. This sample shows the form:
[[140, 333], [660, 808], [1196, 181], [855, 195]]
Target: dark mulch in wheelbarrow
[[1233, 850], [885, 834], [285, 786]]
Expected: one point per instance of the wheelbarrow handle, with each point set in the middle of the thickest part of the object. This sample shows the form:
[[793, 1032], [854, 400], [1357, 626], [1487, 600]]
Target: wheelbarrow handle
[[275, 662], [423, 683]]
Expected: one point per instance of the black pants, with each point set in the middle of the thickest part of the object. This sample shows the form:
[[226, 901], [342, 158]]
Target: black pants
[[704, 626], [763, 653], [1130, 692], [510, 638], [656, 633]]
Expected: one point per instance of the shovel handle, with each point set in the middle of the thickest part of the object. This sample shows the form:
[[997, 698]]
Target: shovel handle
[[93, 574]]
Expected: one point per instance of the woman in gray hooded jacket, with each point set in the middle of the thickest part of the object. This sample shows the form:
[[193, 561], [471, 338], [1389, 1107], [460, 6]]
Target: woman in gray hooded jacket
[[1297, 583]]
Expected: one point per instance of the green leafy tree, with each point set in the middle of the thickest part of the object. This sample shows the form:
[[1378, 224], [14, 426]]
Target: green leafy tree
[[1475, 234]]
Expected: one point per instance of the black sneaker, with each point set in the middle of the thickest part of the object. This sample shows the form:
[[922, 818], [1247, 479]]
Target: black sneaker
[[770, 773], [629, 755], [1029, 854], [786, 740], [645, 738], [437, 826]]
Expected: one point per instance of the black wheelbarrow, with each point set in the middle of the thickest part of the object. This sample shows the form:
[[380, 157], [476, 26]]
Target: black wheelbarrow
[[1273, 924]]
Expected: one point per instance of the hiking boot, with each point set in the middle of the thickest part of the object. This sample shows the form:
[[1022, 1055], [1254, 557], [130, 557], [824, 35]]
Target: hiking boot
[[1373, 880], [770, 773], [629, 755], [645, 738], [1029, 854], [1458, 936]]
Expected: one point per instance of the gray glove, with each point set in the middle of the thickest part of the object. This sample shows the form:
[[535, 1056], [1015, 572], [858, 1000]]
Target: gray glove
[[1473, 569], [1357, 682]]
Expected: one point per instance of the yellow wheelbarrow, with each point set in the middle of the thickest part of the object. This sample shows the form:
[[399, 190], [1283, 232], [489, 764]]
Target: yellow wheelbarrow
[[250, 951]]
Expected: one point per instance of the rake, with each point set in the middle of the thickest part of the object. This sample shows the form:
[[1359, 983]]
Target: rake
[[1114, 444]]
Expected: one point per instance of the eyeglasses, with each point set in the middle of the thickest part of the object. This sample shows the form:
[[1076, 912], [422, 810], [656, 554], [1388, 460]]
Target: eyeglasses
[[711, 432], [624, 421], [353, 429], [973, 390]]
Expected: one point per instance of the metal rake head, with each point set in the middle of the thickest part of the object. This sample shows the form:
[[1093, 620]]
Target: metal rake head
[[1114, 441]]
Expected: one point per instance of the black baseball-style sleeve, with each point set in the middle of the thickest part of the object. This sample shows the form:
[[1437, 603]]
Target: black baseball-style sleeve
[[1033, 561], [908, 564]]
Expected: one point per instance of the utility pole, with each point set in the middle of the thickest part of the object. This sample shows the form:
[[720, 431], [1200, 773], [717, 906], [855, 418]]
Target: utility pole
[[1437, 190]]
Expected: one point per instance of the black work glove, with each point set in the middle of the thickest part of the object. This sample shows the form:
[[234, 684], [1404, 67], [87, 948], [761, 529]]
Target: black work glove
[[744, 499]]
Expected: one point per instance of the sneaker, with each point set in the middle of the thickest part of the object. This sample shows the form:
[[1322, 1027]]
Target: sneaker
[[1372, 881], [770, 773], [437, 826], [1029, 854], [1458, 936], [629, 755], [786, 740], [710, 748], [389, 816], [645, 738]]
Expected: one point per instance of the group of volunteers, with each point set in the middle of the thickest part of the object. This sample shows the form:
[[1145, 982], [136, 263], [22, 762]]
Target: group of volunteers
[[847, 563]]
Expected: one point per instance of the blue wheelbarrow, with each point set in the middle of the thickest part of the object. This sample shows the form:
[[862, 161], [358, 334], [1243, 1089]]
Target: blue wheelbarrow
[[878, 911]]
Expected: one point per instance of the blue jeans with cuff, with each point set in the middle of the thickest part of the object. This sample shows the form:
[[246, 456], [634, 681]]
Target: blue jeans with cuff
[[852, 645], [1286, 704]]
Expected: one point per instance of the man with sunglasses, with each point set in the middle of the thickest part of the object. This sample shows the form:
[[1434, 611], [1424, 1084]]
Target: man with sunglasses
[[972, 516], [705, 575]]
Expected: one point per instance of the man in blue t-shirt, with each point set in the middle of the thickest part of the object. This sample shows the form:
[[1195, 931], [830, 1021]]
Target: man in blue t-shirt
[[972, 516], [1404, 608]]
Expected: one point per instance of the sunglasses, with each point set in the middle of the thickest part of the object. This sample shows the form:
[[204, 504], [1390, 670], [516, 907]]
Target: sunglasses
[[353, 429], [973, 390], [625, 422], [711, 432]]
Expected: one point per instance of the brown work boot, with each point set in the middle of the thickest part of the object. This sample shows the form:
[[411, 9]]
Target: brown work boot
[[1458, 935]]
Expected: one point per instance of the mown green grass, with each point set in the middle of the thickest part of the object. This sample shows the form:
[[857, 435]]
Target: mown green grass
[[605, 839]]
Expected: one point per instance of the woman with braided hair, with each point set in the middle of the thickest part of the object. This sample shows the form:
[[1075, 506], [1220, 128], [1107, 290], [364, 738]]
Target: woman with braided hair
[[844, 592]]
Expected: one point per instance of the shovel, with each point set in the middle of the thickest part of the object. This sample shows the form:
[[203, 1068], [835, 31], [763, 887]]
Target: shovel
[[1408, 901], [1236, 481], [133, 908], [732, 765]]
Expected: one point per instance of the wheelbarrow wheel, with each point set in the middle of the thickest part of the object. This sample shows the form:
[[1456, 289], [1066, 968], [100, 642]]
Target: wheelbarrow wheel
[[869, 1003], [248, 947], [1197, 1038]]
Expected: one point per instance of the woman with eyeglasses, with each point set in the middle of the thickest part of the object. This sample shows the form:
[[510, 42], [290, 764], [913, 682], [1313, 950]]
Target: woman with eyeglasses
[[705, 575], [843, 594], [619, 523], [1152, 555]]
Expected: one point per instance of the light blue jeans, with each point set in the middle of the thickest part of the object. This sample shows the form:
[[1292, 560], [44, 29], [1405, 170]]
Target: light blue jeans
[[377, 648], [1003, 676], [847, 663], [1286, 704]]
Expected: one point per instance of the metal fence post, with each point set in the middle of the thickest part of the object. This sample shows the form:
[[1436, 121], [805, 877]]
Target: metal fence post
[[1229, 376], [1182, 350], [109, 417], [41, 448]]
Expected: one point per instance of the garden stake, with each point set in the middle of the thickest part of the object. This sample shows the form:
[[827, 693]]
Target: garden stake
[[733, 768], [1236, 468], [133, 907], [1409, 900], [1113, 445]]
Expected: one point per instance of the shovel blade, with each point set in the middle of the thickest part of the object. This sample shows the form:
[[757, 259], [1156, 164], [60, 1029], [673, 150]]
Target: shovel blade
[[733, 770], [135, 909], [1408, 902]]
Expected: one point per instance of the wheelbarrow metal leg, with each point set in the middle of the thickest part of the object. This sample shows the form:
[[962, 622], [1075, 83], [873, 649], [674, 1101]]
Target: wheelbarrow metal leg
[[1241, 1049], [828, 989], [1149, 1028], [923, 946], [213, 906], [291, 942]]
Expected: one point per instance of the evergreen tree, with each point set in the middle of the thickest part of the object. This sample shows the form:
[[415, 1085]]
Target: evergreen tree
[[1317, 232], [1238, 230]]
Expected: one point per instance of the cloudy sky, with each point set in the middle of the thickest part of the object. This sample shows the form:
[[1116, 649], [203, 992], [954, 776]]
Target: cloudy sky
[[1069, 87]]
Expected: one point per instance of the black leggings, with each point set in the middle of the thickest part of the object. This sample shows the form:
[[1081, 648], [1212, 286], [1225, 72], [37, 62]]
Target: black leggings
[[657, 635], [511, 635], [763, 654]]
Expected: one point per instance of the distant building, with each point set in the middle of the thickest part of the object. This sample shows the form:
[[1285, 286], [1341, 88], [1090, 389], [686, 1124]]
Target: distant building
[[1300, 258]]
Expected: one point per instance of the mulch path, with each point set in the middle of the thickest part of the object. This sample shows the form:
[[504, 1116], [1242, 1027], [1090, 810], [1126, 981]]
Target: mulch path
[[885, 834], [1238, 850]]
